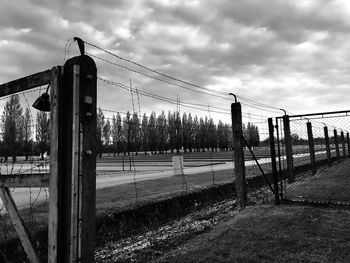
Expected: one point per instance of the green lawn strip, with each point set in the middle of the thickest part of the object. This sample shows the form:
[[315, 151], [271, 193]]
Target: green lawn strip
[[272, 234], [120, 197], [328, 184]]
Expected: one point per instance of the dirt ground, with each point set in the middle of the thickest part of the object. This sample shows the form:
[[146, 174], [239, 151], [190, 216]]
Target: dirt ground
[[223, 233]]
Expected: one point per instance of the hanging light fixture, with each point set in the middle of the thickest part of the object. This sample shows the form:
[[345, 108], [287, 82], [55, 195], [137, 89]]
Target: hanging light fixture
[[43, 102]]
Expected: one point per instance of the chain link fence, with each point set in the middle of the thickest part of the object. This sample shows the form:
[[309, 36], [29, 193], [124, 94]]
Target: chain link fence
[[314, 157]]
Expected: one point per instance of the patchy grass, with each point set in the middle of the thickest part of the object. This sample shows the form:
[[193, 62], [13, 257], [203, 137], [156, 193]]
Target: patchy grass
[[221, 233], [124, 196], [271, 234], [328, 184]]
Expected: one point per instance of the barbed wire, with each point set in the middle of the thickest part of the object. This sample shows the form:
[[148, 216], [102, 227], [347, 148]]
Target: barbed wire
[[200, 89]]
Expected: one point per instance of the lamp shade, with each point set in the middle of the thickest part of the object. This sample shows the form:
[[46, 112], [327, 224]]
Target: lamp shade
[[42, 103]]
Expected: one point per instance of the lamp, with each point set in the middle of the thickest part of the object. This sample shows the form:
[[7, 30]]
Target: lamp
[[43, 102]]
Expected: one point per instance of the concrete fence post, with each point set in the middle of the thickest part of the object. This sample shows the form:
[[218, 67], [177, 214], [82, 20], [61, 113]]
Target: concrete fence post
[[238, 154], [328, 148], [311, 147], [289, 150]]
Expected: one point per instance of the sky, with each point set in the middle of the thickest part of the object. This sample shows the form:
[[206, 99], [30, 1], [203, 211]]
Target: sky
[[285, 54]]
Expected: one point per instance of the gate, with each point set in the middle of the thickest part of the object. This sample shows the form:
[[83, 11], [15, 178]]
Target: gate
[[313, 153]]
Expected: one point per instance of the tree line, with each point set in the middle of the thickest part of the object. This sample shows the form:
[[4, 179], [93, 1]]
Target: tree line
[[22, 134], [17, 126], [162, 133]]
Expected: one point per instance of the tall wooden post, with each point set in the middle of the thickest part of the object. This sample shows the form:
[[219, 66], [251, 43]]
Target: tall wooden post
[[336, 144], [87, 177], [289, 150], [311, 147], [328, 148], [342, 138], [273, 161], [238, 154], [55, 222], [279, 156], [348, 141], [74, 126]]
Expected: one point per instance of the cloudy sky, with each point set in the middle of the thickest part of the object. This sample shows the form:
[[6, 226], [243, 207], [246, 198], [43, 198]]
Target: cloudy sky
[[286, 54]]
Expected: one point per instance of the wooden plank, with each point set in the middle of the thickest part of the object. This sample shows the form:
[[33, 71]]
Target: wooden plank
[[75, 196], [25, 83], [54, 167], [25, 180], [18, 224]]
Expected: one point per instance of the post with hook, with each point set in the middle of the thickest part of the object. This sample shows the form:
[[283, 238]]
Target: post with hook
[[238, 153], [273, 161]]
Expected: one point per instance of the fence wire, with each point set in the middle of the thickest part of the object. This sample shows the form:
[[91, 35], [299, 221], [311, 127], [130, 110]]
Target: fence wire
[[24, 152], [164, 136]]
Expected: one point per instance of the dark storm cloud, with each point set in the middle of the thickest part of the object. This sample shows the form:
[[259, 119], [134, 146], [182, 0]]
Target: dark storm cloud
[[277, 52]]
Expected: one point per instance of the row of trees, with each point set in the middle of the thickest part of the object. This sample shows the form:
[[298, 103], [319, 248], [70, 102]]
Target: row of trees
[[17, 128], [166, 132], [153, 133]]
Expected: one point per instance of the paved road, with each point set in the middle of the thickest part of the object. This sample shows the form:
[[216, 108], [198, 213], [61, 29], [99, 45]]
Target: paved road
[[110, 175], [24, 196]]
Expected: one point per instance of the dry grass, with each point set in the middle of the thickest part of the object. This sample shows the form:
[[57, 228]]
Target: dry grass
[[328, 184], [272, 234]]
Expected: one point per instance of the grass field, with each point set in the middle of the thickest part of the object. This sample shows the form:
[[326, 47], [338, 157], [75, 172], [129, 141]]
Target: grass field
[[329, 184], [270, 234], [222, 233]]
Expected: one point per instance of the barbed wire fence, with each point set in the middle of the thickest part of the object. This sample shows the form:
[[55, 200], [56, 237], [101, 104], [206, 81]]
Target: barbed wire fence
[[148, 86], [24, 156], [160, 136]]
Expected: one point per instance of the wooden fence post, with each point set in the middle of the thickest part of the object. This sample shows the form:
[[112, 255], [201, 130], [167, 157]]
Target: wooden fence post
[[289, 150], [348, 140], [273, 161], [311, 147], [54, 225], [343, 143], [77, 161], [336, 144], [328, 149], [88, 119], [238, 154]]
